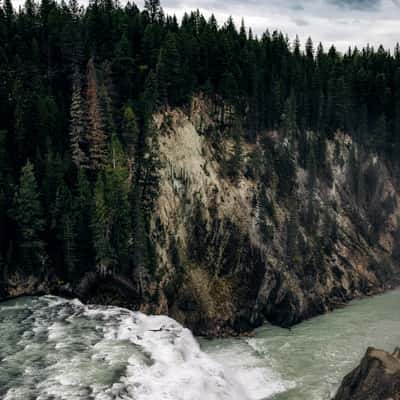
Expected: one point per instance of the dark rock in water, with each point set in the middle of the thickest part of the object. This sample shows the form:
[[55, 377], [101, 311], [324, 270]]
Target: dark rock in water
[[376, 378]]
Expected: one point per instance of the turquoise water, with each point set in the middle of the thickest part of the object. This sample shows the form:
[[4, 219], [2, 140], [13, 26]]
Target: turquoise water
[[56, 349], [308, 362]]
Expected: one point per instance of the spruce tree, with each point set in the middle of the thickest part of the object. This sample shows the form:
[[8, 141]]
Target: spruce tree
[[149, 179], [83, 214], [77, 126], [117, 189], [140, 249], [130, 131], [28, 215], [4, 206], [154, 9], [101, 229], [96, 136], [169, 72], [150, 99], [68, 228]]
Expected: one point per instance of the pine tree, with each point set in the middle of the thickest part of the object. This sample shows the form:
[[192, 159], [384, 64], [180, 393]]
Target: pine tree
[[21, 109], [154, 9], [95, 134], [52, 182], [9, 14], [117, 188], [140, 252], [68, 228], [4, 204], [150, 176], [310, 49], [101, 229], [3, 155], [169, 72], [83, 213], [148, 165], [77, 127], [296, 46], [285, 167], [130, 131], [105, 95], [123, 49], [28, 215], [150, 99]]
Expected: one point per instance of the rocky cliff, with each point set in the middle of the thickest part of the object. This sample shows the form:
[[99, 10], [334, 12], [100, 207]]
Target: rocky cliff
[[234, 253], [376, 378], [277, 228]]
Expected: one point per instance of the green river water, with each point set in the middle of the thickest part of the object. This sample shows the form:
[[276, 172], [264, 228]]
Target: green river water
[[308, 362], [57, 349]]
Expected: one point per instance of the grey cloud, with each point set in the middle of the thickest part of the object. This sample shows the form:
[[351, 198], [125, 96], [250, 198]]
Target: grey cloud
[[343, 23], [357, 4], [300, 21], [297, 7]]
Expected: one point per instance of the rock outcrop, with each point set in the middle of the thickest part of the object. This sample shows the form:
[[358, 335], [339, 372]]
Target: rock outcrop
[[376, 378], [269, 238], [224, 259]]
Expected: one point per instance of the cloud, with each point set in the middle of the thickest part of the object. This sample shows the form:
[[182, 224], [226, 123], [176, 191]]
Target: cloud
[[357, 4], [343, 23], [300, 22]]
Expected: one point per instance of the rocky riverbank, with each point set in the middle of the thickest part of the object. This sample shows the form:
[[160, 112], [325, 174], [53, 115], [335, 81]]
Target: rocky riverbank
[[232, 251]]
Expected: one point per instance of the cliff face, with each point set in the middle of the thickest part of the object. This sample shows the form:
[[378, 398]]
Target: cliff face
[[226, 264], [376, 378], [258, 236]]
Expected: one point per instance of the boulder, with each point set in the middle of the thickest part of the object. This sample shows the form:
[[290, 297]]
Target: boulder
[[376, 378]]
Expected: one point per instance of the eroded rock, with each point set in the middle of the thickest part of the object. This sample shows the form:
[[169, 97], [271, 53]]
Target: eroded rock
[[376, 378]]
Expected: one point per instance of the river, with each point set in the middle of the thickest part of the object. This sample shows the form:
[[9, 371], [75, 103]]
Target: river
[[55, 349], [309, 361]]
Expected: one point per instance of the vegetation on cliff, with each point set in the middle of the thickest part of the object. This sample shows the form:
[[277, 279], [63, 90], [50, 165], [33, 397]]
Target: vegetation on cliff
[[86, 120]]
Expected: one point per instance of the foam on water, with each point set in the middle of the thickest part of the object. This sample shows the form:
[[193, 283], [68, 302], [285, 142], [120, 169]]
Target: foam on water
[[54, 349], [58, 349], [255, 373]]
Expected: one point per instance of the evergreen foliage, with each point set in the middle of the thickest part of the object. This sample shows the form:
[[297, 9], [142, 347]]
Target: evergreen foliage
[[94, 145], [28, 214]]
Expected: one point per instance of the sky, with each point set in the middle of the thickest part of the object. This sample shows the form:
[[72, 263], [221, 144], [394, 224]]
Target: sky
[[343, 23]]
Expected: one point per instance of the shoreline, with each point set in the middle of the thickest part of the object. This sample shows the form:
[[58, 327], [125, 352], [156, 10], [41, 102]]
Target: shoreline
[[224, 333]]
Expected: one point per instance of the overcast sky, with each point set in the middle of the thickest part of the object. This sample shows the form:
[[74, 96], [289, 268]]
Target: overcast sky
[[341, 22]]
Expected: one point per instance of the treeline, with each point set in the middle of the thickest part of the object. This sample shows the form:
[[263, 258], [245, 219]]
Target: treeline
[[78, 87]]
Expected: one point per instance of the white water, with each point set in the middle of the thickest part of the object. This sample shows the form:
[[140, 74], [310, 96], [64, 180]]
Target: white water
[[54, 349]]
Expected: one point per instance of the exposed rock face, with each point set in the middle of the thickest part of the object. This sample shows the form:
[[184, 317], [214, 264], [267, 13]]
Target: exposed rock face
[[220, 274], [376, 378], [223, 261]]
